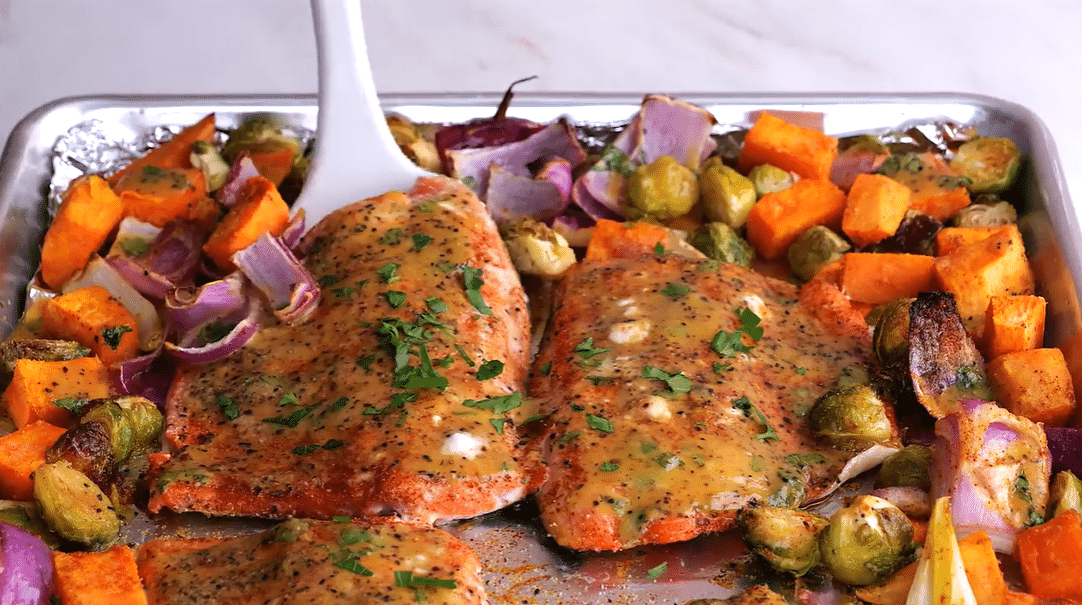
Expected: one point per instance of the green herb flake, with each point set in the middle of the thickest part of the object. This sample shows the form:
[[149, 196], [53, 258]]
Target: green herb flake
[[338, 404], [134, 246], [365, 361], [435, 304], [748, 408], [332, 444], [395, 298], [568, 437], [352, 566], [586, 349], [677, 382], [288, 399], [391, 237], [609, 466], [1021, 488], [729, 344], [302, 450], [406, 579], [342, 293], [293, 419], [600, 380], [497, 405], [655, 572], [112, 335], [615, 160], [421, 240], [498, 424], [803, 460], [546, 368], [599, 423], [465, 356], [471, 280], [675, 290], [490, 369], [341, 519], [228, 406], [74, 404], [659, 249], [801, 371], [328, 280], [388, 273]]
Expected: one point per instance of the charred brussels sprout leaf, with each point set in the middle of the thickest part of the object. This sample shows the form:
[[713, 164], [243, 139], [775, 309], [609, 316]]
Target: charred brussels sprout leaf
[[74, 507], [86, 447], [995, 214], [720, 242], [989, 163], [787, 538]]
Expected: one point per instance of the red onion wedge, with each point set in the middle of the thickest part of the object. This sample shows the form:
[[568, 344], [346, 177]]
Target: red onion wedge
[[26, 567], [199, 315], [511, 197], [291, 236], [995, 466], [196, 350], [288, 287], [171, 259], [1065, 445], [242, 170]]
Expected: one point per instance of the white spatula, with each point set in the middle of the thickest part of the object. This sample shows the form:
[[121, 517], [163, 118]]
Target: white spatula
[[355, 156]]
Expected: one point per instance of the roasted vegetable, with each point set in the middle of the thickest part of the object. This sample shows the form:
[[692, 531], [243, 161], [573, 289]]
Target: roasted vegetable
[[915, 235], [536, 249], [910, 467], [40, 390], [94, 318], [814, 249], [87, 215], [890, 336], [26, 577], [866, 541], [24, 515], [851, 418], [778, 219], [662, 189], [258, 134], [1064, 494], [20, 453], [772, 140], [995, 214], [1049, 555], [206, 158], [720, 242], [727, 195], [86, 448], [770, 179], [879, 278], [937, 190], [132, 423], [259, 209], [990, 163], [787, 538], [416, 147], [74, 507], [38, 349], [874, 208], [99, 578], [1035, 384], [174, 153], [1012, 324], [944, 364]]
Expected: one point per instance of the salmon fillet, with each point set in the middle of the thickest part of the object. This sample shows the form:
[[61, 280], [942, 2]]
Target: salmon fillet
[[314, 562], [653, 435], [378, 403]]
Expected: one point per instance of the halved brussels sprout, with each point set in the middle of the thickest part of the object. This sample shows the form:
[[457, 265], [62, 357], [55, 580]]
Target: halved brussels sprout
[[662, 189], [890, 335], [258, 134], [87, 448], [852, 417], [910, 467], [787, 538], [206, 158], [133, 423], [74, 507], [412, 143], [990, 163], [867, 541], [720, 242], [727, 195], [1064, 494], [993, 214], [770, 179], [38, 349], [536, 249], [814, 249]]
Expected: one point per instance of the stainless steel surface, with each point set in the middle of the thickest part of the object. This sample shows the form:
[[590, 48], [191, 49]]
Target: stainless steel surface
[[523, 566]]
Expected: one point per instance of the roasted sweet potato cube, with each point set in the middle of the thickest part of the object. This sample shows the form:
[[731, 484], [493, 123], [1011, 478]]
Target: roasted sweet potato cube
[[21, 453], [39, 387], [880, 278], [95, 578], [84, 221], [772, 140], [1034, 384], [259, 209], [974, 273], [949, 239], [159, 195], [1012, 324], [874, 208], [95, 319], [778, 219]]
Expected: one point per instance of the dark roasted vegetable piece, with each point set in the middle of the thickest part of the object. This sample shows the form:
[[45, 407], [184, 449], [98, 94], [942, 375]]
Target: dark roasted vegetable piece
[[814, 249], [944, 364], [890, 338], [915, 235], [86, 447], [991, 163], [1064, 494], [258, 134], [720, 242], [487, 132], [38, 349], [74, 507], [852, 418], [787, 538], [867, 541], [992, 214], [133, 423], [910, 467]]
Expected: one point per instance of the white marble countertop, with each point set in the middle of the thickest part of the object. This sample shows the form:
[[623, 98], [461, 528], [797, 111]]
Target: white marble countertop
[[1025, 51]]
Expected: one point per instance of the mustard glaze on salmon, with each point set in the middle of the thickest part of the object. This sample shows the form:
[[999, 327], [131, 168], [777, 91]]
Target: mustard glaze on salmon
[[378, 403], [666, 414]]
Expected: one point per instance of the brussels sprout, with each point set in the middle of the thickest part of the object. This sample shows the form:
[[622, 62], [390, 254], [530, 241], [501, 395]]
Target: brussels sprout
[[727, 195], [851, 418], [38, 349], [258, 134], [990, 163], [890, 335], [536, 249], [412, 143], [73, 506], [87, 448], [995, 214], [866, 542], [814, 249], [145, 419], [787, 538], [720, 242], [1064, 494], [662, 189], [206, 158], [133, 423], [909, 467], [770, 179]]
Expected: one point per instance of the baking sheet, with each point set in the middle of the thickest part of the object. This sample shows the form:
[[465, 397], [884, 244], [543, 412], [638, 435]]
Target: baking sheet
[[522, 564]]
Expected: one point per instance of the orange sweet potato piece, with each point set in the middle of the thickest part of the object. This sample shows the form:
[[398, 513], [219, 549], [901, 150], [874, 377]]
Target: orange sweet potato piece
[[1049, 554], [1012, 324], [874, 208], [98, 578], [174, 153], [938, 190], [778, 219], [974, 273], [259, 209], [982, 569], [772, 140], [613, 239], [274, 165], [36, 386], [880, 278], [949, 239], [88, 214], [894, 591], [21, 453], [158, 195], [93, 318], [1035, 384]]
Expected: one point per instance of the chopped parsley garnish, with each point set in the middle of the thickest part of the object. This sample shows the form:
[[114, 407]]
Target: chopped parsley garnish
[[341, 293], [333, 444], [655, 572], [352, 566], [406, 340], [677, 382], [586, 349], [420, 240], [745, 405], [338, 404], [490, 369], [568, 437], [468, 181], [288, 399], [600, 380], [803, 460], [614, 160], [398, 400], [675, 290], [497, 405], [546, 368], [303, 450], [228, 406], [609, 466], [465, 355], [728, 344], [328, 280], [1021, 488], [293, 419], [341, 519], [471, 280], [112, 335], [76, 404], [406, 579], [435, 304], [388, 273], [391, 237], [365, 361], [214, 331], [395, 298], [659, 249], [599, 423], [721, 367], [498, 424], [133, 246], [801, 371]]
